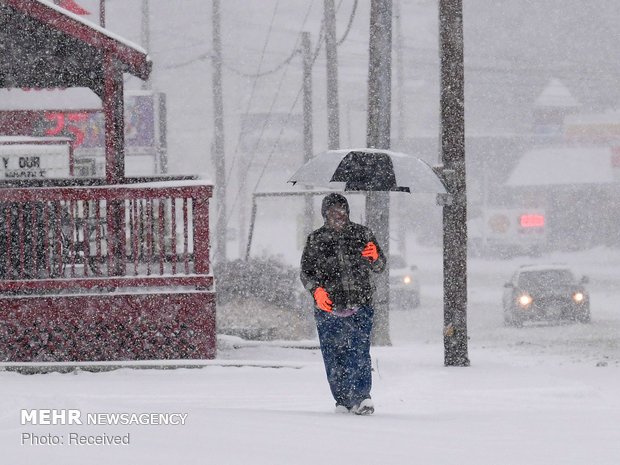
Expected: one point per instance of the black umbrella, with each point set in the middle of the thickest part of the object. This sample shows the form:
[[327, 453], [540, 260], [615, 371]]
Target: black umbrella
[[369, 170]]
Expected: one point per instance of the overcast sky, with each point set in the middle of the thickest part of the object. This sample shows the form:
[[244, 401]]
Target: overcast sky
[[512, 49]]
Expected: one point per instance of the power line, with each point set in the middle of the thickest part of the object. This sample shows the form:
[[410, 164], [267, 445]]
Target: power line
[[278, 67], [202, 56], [277, 143], [321, 39], [284, 124], [260, 137], [296, 48], [319, 43], [206, 55], [197, 43], [279, 89], [255, 81], [264, 73], [346, 33]]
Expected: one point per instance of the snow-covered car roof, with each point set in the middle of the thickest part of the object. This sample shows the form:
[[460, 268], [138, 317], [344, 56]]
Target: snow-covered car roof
[[544, 267]]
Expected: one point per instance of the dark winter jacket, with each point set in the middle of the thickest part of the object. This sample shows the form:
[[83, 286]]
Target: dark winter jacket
[[333, 260]]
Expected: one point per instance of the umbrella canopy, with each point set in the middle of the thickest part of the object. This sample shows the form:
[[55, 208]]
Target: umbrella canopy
[[369, 170]]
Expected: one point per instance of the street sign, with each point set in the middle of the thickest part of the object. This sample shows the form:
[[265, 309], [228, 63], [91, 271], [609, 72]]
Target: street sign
[[29, 160]]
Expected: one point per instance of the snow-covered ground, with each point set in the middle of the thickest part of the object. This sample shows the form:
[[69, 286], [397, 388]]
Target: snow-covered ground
[[543, 394]]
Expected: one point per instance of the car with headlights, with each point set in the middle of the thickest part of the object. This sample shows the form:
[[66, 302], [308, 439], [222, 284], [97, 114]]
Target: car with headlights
[[404, 283], [545, 293]]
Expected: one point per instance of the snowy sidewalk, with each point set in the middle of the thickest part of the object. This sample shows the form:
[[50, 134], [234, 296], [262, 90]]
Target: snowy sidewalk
[[504, 409]]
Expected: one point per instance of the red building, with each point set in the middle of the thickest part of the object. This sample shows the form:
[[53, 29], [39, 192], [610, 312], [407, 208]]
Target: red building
[[112, 270]]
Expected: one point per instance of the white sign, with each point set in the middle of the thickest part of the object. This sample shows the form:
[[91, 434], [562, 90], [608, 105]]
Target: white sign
[[34, 161]]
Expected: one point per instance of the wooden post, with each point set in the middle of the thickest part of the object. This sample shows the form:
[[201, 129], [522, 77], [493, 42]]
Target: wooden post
[[200, 210], [113, 109], [378, 136], [453, 157], [333, 109]]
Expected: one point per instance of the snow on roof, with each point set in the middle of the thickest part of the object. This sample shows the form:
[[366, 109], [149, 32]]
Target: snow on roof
[[564, 166], [92, 25], [172, 183], [544, 267], [94, 40], [556, 94], [72, 98], [32, 140], [69, 99]]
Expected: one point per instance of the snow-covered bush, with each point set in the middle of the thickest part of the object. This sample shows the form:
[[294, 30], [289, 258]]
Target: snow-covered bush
[[263, 299], [258, 279]]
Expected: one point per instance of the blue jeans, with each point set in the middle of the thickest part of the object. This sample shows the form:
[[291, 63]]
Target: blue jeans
[[345, 345]]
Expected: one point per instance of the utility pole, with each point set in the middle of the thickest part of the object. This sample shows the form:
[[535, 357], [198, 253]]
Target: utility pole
[[400, 121], [218, 144], [400, 96], [308, 135], [146, 36], [378, 136], [452, 98], [102, 13], [333, 116]]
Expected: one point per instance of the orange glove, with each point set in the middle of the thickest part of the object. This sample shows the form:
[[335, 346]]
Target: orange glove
[[370, 252], [322, 299]]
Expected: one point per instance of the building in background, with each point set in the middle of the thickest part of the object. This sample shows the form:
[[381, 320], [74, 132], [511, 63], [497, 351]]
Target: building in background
[[77, 114], [565, 172]]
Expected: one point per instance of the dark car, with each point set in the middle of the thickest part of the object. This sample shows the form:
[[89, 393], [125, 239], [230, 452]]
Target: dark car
[[545, 293]]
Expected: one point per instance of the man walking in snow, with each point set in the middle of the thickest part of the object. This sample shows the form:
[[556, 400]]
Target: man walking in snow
[[335, 267]]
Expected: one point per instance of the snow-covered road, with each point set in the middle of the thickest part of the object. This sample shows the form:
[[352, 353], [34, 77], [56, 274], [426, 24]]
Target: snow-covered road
[[598, 342], [535, 395]]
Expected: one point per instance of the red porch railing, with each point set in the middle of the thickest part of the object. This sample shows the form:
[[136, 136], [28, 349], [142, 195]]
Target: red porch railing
[[67, 249]]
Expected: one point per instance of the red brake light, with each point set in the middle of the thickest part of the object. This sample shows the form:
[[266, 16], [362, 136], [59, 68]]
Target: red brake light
[[532, 221]]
